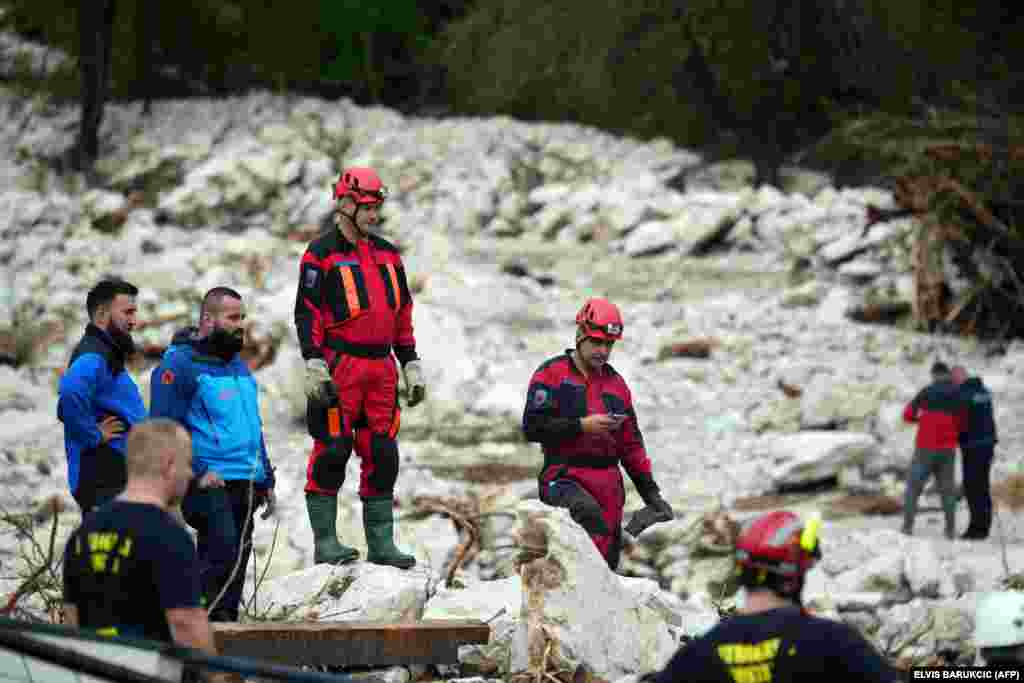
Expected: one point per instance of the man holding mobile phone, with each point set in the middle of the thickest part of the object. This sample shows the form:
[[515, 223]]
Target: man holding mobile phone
[[581, 412]]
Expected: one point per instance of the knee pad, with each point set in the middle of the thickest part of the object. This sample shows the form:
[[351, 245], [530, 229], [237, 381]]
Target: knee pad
[[328, 470], [588, 514], [583, 507], [385, 462]]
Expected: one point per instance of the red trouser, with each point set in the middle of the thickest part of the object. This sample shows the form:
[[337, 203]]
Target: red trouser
[[608, 490], [368, 390]]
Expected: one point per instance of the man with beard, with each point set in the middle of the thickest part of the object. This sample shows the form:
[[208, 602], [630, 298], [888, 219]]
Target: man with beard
[[98, 400], [581, 412], [353, 316], [203, 384], [130, 568]]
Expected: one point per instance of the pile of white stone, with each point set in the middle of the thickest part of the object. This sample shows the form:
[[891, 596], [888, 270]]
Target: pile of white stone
[[226, 192]]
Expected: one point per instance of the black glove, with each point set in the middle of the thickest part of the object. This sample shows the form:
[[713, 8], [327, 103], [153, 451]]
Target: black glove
[[650, 493], [656, 508], [648, 515], [659, 505]]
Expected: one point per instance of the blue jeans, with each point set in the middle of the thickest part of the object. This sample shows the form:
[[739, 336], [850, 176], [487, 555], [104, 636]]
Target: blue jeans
[[219, 515], [927, 462]]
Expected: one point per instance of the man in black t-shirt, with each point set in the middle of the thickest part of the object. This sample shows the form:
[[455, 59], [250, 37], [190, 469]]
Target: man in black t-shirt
[[130, 568], [772, 639]]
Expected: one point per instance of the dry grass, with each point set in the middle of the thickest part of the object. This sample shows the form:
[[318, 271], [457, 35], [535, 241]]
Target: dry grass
[[765, 502], [1010, 492], [487, 473], [865, 505]]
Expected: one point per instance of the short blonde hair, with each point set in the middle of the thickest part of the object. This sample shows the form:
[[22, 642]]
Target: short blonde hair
[[149, 440]]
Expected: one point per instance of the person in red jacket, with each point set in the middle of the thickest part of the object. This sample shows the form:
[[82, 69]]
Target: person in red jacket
[[938, 410], [581, 412], [353, 311]]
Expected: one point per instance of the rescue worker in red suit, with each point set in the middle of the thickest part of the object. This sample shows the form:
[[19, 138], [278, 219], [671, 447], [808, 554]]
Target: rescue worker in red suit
[[581, 412], [353, 311]]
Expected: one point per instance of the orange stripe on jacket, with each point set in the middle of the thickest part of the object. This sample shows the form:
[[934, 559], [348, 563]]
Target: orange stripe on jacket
[[394, 285], [351, 295]]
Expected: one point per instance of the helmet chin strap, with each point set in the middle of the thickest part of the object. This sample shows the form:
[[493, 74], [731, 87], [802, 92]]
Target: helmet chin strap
[[355, 224]]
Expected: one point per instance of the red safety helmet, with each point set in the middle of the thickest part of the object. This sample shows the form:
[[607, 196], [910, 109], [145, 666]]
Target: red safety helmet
[[599, 318], [780, 543], [362, 184]]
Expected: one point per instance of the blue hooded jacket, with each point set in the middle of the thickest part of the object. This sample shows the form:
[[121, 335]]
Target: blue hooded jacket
[[217, 401], [94, 386]]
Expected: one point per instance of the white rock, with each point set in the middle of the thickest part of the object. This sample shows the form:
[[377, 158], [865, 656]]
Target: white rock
[[354, 592], [613, 635], [651, 237], [923, 569], [829, 401], [883, 573], [815, 455], [497, 602]]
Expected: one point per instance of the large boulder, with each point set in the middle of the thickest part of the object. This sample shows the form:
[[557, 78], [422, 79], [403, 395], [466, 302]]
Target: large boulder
[[579, 611], [812, 456], [353, 592]]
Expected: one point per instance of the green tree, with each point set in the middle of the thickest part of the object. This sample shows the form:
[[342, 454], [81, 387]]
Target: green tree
[[355, 31]]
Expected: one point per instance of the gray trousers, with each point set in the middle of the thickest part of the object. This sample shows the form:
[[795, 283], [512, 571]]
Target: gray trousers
[[927, 462]]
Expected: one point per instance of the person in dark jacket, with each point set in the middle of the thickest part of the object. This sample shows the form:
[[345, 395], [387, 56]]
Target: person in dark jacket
[[977, 448], [772, 638], [938, 411], [581, 412], [203, 384], [130, 568], [98, 399]]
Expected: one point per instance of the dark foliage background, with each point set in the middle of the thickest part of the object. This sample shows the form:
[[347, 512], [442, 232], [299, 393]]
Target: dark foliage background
[[863, 89]]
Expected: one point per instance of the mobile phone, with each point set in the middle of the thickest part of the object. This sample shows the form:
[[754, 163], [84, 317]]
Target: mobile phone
[[618, 416]]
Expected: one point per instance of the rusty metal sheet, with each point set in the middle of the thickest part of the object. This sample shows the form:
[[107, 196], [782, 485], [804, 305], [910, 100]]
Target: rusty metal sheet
[[351, 643]]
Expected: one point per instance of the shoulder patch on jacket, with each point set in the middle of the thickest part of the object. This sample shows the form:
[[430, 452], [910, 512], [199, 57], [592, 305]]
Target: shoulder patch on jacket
[[167, 377], [309, 280], [540, 397]]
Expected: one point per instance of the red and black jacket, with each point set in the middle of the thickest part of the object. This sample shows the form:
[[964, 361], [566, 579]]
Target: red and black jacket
[[939, 411], [559, 396], [355, 295]]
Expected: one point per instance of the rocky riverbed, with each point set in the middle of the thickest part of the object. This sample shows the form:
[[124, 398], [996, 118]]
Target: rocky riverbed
[[755, 387]]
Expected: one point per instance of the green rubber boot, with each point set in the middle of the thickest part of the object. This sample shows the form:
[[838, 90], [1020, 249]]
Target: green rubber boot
[[379, 524], [323, 519]]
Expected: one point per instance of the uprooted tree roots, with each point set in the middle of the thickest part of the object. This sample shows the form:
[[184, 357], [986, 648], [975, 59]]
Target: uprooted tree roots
[[465, 515], [963, 221]]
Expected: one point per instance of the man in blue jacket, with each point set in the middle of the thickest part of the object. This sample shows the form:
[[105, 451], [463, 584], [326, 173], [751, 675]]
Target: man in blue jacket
[[204, 384], [98, 400], [977, 448]]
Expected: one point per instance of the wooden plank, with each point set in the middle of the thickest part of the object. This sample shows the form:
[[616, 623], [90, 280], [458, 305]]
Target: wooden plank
[[351, 643]]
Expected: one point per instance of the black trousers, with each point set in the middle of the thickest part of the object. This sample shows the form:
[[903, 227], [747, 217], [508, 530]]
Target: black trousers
[[977, 465], [220, 515], [101, 477]]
